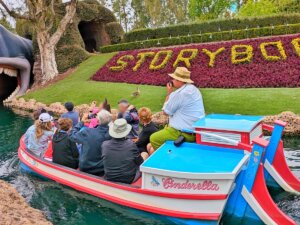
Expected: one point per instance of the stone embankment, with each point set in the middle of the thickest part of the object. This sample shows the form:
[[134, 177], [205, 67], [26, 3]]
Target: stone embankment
[[292, 119], [15, 211]]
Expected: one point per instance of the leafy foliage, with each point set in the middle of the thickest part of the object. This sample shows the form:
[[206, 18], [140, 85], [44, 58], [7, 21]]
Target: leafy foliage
[[257, 8], [208, 9], [206, 37], [210, 26]]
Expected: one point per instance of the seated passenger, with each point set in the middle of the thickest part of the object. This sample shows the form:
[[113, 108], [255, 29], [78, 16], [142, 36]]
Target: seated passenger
[[184, 106], [37, 113], [149, 128], [130, 114], [90, 159], [37, 136], [71, 114], [65, 151], [121, 157], [114, 114]]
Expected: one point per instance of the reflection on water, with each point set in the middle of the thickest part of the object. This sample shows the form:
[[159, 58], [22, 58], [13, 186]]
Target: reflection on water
[[64, 206]]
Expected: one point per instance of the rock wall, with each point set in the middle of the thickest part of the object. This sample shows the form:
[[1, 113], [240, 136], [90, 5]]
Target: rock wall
[[15, 211], [160, 119]]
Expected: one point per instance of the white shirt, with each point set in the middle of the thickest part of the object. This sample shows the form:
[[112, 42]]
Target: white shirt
[[185, 107]]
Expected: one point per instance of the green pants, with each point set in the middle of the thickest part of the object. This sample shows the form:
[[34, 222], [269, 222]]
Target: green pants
[[168, 134]]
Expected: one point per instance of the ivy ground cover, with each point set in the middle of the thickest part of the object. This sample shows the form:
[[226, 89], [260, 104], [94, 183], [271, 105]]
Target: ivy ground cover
[[261, 62]]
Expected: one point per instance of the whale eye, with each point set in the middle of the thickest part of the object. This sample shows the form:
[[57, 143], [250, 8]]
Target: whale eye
[[169, 151]]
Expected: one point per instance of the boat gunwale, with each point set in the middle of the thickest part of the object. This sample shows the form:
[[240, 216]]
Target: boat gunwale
[[138, 206], [122, 186]]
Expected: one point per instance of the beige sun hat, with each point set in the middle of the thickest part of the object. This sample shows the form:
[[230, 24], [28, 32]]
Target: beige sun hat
[[182, 74], [119, 129]]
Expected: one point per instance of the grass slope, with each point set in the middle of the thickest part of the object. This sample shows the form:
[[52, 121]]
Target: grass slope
[[80, 89]]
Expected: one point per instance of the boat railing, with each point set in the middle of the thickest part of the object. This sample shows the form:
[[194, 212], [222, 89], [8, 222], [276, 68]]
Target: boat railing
[[228, 140]]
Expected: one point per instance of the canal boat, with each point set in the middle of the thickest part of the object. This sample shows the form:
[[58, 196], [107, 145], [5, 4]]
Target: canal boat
[[194, 183], [237, 130]]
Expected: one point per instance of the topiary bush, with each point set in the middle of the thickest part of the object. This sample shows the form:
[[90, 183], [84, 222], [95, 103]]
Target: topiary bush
[[206, 37], [69, 56], [211, 26], [115, 32]]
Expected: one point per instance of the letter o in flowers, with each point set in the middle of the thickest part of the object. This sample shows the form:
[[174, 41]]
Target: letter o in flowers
[[121, 64], [181, 58], [296, 44], [243, 56], [156, 59], [272, 58]]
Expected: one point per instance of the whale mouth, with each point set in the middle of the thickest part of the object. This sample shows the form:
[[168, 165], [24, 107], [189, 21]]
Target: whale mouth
[[9, 82]]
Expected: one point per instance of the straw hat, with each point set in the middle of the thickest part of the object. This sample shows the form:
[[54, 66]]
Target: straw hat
[[182, 74], [119, 129]]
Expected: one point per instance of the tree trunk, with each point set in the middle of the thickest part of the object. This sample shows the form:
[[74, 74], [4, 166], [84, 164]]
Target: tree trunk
[[47, 54]]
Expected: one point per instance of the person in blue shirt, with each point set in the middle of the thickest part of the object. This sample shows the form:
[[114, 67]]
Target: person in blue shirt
[[71, 114], [184, 106], [130, 114], [91, 139]]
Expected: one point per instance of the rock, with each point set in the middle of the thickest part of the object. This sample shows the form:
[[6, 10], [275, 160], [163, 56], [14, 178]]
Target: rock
[[292, 120], [15, 211]]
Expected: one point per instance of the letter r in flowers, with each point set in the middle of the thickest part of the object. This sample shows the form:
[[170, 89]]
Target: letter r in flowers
[[142, 57], [212, 55], [278, 45], [241, 54], [296, 44], [182, 58], [121, 64]]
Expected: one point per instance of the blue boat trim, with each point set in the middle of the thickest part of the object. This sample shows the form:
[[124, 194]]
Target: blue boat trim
[[228, 122]]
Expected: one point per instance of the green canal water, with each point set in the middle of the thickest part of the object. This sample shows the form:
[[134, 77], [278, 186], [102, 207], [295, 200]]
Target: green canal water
[[64, 206]]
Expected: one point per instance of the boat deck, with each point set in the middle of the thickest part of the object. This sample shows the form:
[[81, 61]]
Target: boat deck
[[194, 158]]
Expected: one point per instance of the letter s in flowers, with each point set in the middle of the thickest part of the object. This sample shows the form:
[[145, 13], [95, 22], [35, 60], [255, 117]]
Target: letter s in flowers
[[181, 58], [244, 56], [296, 44], [121, 63], [156, 59], [272, 58], [212, 55]]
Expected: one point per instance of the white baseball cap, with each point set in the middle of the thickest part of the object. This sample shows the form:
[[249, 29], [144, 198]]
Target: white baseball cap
[[45, 117]]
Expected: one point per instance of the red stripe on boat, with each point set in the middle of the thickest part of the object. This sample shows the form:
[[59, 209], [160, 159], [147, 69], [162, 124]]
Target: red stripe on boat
[[128, 187], [172, 213], [280, 165], [261, 194]]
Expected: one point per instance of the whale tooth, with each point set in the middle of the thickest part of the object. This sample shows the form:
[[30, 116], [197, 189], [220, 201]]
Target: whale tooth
[[12, 95], [11, 72], [1, 70]]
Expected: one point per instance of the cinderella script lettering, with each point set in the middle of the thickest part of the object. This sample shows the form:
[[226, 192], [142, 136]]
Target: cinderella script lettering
[[169, 183]]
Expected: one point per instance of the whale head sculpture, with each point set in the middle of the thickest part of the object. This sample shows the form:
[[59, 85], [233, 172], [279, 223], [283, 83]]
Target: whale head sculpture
[[16, 61]]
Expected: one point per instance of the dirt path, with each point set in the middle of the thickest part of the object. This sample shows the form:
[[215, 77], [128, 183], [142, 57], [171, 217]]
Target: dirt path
[[15, 211]]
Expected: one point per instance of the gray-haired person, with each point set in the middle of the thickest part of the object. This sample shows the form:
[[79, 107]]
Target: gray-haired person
[[90, 159]]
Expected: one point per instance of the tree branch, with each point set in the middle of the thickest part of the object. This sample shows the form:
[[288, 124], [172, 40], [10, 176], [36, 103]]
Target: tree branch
[[70, 13], [12, 13]]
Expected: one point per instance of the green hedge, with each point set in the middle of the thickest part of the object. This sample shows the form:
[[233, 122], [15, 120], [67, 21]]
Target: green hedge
[[211, 26], [207, 37]]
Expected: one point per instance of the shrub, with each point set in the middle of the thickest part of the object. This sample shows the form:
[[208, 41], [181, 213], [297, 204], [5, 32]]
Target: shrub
[[206, 37], [211, 26], [69, 56], [115, 32]]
